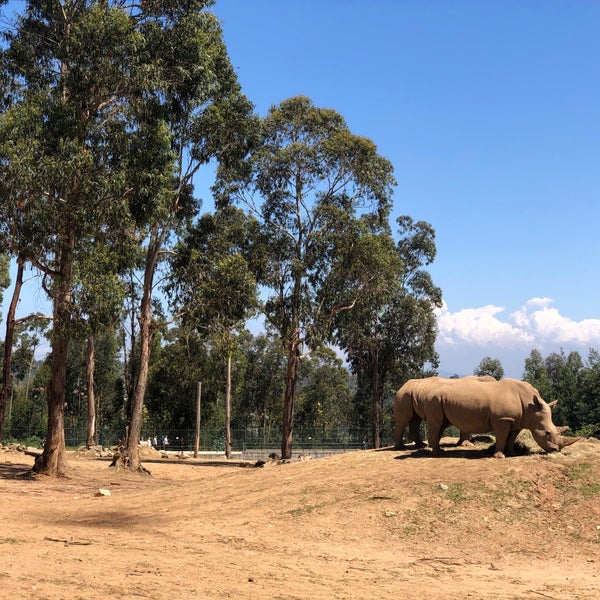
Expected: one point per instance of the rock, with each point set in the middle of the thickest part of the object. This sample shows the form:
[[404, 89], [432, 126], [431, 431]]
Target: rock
[[103, 492]]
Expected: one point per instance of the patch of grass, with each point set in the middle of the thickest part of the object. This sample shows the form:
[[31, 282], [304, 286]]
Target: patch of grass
[[580, 471], [581, 479], [306, 509], [457, 492], [8, 540]]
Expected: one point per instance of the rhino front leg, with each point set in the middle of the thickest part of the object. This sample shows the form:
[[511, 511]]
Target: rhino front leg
[[502, 429]]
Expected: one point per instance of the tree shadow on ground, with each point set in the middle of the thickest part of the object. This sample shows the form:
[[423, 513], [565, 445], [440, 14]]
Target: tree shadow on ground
[[10, 471], [190, 462]]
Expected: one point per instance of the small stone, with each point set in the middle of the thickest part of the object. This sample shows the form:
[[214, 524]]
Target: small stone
[[103, 492]]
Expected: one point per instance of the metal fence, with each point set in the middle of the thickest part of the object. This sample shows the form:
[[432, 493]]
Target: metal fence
[[213, 440]]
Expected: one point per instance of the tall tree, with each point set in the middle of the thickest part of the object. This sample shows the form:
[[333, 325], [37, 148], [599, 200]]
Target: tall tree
[[305, 181], [390, 334], [202, 113], [73, 70], [100, 98], [213, 287]]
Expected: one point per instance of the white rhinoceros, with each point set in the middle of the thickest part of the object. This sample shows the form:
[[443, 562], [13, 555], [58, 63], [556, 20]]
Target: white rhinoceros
[[404, 408], [504, 407]]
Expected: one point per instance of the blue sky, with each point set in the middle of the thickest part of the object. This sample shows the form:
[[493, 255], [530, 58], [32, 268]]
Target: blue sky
[[490, 114]]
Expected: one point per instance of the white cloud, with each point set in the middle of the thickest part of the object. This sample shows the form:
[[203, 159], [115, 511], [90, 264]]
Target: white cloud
[[535, 324], [479, 327]]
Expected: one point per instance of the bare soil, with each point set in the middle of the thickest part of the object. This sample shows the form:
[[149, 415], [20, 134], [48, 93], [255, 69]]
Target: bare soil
[[366, 524]]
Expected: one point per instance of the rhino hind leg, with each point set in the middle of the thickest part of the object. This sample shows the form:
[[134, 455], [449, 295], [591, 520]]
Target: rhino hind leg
[[414, 431], [436, 428]]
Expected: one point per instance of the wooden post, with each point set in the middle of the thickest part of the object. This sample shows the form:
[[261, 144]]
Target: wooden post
[[198, 405]]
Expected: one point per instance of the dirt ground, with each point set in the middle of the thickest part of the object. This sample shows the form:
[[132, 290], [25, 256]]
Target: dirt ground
[[366, 524]]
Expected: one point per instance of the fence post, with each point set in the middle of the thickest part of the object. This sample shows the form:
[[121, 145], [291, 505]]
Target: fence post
[[198, 406]]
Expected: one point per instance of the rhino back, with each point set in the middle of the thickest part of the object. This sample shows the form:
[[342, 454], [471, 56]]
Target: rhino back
[[475, 406]]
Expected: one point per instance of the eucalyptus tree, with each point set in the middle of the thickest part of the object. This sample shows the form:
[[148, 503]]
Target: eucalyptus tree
[[105, 100], [203, 115], [213, 286], [72, 69], [390, 335], [306, 180], [6, 382]]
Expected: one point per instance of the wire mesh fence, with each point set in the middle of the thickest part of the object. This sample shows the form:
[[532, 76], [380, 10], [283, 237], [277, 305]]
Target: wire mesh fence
[[247, 440]]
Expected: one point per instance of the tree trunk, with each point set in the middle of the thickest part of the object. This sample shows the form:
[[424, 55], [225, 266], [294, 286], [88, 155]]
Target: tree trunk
[[5, 389], [228, 409], [53, 460], [132, 457], [375, 397], [291, 378], [89, 373]]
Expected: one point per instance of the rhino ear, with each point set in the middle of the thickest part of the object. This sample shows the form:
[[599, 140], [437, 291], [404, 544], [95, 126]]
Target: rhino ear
[[536, 403], [553, 403]]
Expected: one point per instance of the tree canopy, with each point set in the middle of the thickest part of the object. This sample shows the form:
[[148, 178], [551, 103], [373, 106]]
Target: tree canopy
[[309, 181]]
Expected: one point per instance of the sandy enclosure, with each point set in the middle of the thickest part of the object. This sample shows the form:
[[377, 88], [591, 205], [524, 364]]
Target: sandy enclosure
[[366, 524]]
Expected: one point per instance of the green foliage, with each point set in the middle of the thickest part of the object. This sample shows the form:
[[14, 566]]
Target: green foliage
[[311, 184], [324, 392], [490, 366], [4, 275], [389, 335], [260, 375], [571, 381], [211, 284], [26, 411], [174, 373]]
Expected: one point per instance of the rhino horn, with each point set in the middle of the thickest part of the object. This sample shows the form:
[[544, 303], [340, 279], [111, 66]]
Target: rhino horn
[[567, 441], [563, 428]]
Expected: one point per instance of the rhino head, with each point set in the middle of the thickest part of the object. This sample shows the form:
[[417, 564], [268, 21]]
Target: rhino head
[[545, 433]]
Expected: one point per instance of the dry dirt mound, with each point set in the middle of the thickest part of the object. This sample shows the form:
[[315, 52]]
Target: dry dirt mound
[[367, 524]]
